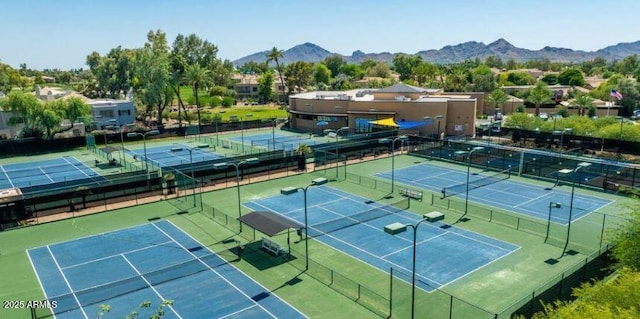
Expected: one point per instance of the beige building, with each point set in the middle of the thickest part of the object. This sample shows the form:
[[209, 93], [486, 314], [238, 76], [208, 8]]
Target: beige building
[[246, 86], [415, 110]]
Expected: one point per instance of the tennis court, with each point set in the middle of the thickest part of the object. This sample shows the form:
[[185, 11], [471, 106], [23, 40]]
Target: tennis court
[[522, 198], [67, 170], [151, 262], [275, 141], [175, 155], [355, 225]]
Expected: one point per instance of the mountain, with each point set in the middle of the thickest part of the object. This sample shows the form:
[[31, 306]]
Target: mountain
[[310, 52]]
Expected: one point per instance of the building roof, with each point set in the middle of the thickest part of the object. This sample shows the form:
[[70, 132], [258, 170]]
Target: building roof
[[405, 88]]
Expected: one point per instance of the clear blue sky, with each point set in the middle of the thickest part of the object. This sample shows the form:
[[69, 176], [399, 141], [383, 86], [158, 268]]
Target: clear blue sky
[[60, 34]]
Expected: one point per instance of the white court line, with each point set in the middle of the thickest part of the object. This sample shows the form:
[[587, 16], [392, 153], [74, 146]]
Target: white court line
[[7, 175], [411, 246], [214, 271], [115, 255], [33, 266], [67, 282], [239, 311], [45, 174], [530, 200], [150, 285], [240, 271]]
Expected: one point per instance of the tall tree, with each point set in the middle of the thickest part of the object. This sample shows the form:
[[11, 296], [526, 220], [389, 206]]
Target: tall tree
[[322, 74], [153, 79], [333, 63], [404, 65], [275, 55], [265, 87], [299, 75], [197, 77], [113, 72], [539, 95]]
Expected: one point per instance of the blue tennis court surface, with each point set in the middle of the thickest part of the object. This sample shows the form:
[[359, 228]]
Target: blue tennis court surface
[[174, 155], [355, 226], [47, 172], [282, 142], [151, 262], [509, 195]]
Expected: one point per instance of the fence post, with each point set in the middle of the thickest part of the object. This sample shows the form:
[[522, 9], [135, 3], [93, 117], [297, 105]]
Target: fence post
[[390, 291], [450, 306], [604, 221]]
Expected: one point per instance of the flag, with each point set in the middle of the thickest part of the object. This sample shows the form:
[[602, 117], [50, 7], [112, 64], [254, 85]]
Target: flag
[[616, 94]]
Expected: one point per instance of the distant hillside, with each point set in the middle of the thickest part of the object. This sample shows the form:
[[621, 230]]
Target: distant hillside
[[310, 52]]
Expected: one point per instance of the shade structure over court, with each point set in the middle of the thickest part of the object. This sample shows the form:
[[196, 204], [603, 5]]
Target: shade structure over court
[[268, 223]]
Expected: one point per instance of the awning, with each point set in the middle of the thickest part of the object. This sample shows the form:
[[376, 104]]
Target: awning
[[269, 223], [385, 122], [403, 125]]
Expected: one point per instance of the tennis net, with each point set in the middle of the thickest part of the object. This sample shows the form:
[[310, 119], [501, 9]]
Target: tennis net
[[359, 218], [277, 140], [101, 293], [481, 182]]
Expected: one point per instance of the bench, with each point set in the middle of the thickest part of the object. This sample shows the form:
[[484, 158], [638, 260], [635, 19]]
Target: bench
[[433, 216], [272, 247], [406, 192]]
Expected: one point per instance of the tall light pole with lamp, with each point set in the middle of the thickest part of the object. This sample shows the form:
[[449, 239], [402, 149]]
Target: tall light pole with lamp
[[468, 153], [573, 173], [561, 133], [193, 177], [248, 161], [337, 133], [401, 138], [316, 182], [397, 228], [144, 143]]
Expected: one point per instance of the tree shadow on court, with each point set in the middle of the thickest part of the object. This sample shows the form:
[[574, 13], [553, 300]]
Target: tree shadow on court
[[261, 259]]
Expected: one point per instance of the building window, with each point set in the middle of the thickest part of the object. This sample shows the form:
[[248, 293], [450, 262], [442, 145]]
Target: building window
[[106, 113], [328, 118], [124, 112], [363, 125]]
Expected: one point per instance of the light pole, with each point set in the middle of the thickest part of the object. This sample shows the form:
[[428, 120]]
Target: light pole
[[620, 139], [193, 178], [468, 153], [144, 143], [561, 133], [316, 182], [551, 205], [397, 228], [402, 138], [572, 173], [248, 161], [337, 132]]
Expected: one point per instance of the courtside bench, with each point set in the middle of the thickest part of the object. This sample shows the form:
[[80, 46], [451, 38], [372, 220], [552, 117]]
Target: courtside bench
[[414, 194], [272, 247]]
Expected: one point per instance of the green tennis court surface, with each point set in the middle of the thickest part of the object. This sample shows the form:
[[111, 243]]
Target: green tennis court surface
[[354, 225]]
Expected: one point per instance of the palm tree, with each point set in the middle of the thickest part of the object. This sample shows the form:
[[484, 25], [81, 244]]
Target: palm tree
[[539, 95], [583, 102], [274, 55], [197, 77], [498, 98]]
